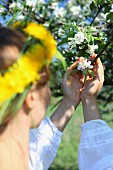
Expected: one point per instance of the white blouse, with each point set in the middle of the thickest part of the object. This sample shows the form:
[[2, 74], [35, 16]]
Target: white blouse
[[95, 149], [96, 146], [44, 143]]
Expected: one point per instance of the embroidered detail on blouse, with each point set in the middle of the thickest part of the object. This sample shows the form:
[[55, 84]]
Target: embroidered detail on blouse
[[95, 132]]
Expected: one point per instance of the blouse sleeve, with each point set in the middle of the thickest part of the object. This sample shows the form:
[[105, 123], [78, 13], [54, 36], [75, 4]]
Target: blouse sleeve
[[96, 146], [44, 143]]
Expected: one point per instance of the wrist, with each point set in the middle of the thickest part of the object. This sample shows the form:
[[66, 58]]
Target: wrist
[[71, 102], [90, 108], [88, 96], [88, 99]]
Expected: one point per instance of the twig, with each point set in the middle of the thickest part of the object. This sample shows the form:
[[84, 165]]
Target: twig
[[95, 16], [104, 48], [100, 26], [100, 8]]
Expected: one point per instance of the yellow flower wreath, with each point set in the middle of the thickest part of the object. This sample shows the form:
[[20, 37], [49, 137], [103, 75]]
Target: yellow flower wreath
[[26, 69]]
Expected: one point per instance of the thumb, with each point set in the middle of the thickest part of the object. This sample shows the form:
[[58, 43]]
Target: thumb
[[92, 56]]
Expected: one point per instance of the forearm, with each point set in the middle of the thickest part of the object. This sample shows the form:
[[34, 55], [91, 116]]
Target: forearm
[[64, 112], [90, 108]]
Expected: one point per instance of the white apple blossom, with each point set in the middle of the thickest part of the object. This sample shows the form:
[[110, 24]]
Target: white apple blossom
[[85, 65], [71, 42], [79, 37], [32, 3], [74, 23], [71, 3], [92, 48], [46, 24], [20, 17], [111, 8], [54, 5], [59, 12], [80, 66], [103, 16], [41, 1], [16, 4], [97, 19], [75, 10], [2, 9], [61, 32], [90, 1]]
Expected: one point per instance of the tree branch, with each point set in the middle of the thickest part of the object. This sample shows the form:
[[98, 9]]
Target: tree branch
[[104, 48], [100, 8], [95, 16]]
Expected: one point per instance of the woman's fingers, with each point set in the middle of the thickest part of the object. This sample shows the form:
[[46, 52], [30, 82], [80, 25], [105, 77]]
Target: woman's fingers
[[93, 55], [102, 73], [81, 77], [73, 66], [99, 68]]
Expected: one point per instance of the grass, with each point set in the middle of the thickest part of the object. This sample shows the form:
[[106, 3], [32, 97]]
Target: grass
[[66, 158]]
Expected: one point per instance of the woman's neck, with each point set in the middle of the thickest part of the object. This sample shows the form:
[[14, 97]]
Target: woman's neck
[[14, 144]]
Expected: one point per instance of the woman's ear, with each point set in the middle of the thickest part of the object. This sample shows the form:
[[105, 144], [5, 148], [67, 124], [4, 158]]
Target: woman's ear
[[31, 99]]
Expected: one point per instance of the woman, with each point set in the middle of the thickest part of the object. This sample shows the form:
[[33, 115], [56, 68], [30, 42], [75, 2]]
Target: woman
[[25, 95]]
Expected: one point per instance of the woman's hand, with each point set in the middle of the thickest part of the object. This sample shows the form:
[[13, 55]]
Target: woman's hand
[[72, 84], [92, 85]]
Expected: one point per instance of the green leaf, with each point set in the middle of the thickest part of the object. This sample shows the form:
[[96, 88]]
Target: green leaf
[[90, 38], [110, 16], [97, 38], [60, 57], [71, 25], [4, 107], [17, 103], [99, 2], [92, 6], [89, 29], [70, 34], [91, 72], [11, 106], [64, 40], [74, 72], [12, 19], [93, 29], [85, 72], [107, 8]]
